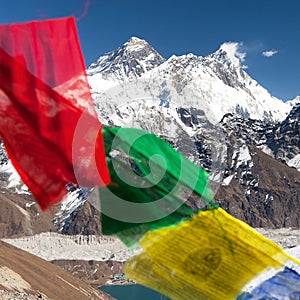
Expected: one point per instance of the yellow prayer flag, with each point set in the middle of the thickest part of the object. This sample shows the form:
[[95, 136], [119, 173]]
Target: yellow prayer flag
[[212, 256]]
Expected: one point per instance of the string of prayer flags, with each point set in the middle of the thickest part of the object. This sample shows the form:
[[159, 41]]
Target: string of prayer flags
[[43, 94], [192, 249], [152, 185], [212, 256]]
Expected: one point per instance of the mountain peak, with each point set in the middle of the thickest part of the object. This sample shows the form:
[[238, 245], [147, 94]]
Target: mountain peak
[[132, 59], [135, 39], [136, 44]]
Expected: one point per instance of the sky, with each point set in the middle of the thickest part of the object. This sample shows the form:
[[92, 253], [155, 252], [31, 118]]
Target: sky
[[267, 32]]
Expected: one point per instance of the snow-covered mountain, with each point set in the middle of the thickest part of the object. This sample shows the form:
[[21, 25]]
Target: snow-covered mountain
[[210, 109], [217, 82], [133, 59]]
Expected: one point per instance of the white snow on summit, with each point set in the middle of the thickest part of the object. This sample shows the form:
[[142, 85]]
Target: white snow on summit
[[135, 44]]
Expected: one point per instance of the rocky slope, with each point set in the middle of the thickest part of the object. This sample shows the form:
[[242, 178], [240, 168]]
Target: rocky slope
[[257, 175], [25, 276], [95, 273], [285, 139], [262, 192], [20, 216]]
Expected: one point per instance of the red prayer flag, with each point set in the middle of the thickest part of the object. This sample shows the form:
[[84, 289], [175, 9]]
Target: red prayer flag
[[44, 97]]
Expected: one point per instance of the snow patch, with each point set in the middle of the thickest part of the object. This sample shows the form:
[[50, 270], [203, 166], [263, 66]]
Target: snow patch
[[14, 181], [242, 157], [266, 150], [69, 204], [227, 180], [295, 162], [28, 205]]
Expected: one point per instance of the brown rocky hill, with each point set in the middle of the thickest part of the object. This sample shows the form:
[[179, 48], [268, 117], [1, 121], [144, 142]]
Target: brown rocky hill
[[20, 215], [263, 192], [25, 276]]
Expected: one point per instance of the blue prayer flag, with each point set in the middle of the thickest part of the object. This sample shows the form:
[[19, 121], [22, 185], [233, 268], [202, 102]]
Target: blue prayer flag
[[285, 285]]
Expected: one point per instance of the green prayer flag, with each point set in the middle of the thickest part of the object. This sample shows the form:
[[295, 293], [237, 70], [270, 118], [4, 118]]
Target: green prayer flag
[[152, 185]]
